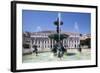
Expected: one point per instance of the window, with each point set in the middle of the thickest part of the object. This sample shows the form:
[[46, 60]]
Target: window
[[26, 46]]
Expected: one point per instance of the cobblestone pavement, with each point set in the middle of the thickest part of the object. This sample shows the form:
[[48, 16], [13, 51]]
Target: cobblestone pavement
[[72, 54]]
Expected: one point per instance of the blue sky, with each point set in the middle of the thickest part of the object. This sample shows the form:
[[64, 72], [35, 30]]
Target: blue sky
[[34, 21]]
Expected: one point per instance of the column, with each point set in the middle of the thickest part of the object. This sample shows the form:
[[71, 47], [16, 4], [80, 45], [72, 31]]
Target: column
[[49, 43]]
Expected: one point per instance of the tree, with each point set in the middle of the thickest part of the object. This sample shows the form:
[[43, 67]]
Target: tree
[[82, 42], [88, 42]]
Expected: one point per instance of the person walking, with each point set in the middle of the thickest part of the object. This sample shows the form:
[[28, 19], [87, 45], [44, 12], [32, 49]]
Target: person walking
[[35, 50]]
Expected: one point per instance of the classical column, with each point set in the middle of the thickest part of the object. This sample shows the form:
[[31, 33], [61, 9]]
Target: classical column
[[52, 43], [68, 42], [41, 45], [49, 43]]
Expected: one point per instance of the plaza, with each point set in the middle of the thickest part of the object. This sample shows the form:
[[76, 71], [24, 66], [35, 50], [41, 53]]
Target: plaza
[[71, 55], [55, 44], [44, 43]]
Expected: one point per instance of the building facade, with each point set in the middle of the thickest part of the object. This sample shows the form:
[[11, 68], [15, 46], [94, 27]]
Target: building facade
[[44, 43]]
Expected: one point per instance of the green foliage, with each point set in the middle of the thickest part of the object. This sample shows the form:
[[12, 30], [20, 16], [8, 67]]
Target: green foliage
[[82, 42], [86, 42]]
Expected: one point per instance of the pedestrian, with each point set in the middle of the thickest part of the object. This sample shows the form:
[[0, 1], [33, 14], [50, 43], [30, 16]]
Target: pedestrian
[[35, 50]]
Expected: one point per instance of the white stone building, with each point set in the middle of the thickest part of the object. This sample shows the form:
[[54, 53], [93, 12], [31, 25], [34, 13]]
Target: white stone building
[[44, 43]]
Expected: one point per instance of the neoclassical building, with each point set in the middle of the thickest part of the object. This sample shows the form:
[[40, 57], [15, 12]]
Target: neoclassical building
[[44, 43]]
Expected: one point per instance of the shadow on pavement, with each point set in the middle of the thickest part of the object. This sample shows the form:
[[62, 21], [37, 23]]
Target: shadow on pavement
[[70, 54]]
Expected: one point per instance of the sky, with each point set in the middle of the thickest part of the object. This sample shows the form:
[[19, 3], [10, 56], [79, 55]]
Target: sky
[[34, 21]]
